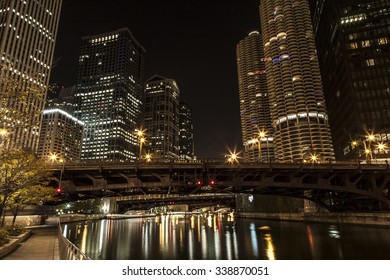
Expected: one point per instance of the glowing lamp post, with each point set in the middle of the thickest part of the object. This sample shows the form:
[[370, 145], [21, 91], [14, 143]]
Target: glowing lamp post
[[3, 135], [141, 138], [262, 135]]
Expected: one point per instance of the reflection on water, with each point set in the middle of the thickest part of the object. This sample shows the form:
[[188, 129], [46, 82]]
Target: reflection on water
[[216, 237]]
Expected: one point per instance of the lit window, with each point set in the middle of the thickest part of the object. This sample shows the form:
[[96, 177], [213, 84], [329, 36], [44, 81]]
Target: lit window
[[370, 62], [383, 41], [354, 45], [365, 43]]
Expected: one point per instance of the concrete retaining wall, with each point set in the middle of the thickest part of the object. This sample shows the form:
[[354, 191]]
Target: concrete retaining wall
[[373, 219], [25, 221], [13, 243]]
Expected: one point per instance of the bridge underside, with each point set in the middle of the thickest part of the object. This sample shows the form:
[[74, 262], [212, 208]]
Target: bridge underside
[[337, 188]]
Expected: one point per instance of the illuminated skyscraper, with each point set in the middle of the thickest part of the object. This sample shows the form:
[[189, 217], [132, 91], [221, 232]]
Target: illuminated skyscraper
[[353, 43], [256, 126], [28, 31], [109, 95], [296, 97], [61, 135], [161, 117]]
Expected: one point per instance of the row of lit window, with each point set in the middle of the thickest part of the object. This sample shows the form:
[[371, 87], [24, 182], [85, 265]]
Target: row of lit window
[[104, 39], [368, 43]]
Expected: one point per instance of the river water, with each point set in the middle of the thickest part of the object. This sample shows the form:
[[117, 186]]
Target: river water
[[215, 237]]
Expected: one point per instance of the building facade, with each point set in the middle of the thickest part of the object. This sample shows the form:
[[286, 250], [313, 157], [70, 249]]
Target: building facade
[[28, 31], [161, 117], [297, 101], [256, 125], [353, 43], [64, 101], [61, 135], [109, 95], [186, 132]]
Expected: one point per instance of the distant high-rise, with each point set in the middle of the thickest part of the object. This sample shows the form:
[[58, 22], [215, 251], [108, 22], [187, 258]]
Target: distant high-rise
[[28, 31], [353, 43], [64, 101], [161, 117], [295, 92], [109, 95], [186, 132], [256, 126], [61, 135]]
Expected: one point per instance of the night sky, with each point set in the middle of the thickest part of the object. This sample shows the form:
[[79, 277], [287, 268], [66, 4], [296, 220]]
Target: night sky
[[191, 41]]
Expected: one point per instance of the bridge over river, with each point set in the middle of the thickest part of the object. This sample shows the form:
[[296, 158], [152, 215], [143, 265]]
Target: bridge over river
[[337, 186]]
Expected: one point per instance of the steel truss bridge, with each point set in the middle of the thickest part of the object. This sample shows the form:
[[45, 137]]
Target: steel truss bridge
[[337, 186]]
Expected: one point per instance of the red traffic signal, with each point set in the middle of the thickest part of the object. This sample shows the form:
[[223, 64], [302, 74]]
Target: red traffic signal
[[212, 182], [199, 182]]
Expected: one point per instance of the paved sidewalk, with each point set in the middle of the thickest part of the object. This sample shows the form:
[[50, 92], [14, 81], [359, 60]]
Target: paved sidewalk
[[42, 245]]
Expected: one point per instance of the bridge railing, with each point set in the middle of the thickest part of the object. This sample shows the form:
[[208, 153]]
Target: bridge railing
[[373, 164], [67, 250]]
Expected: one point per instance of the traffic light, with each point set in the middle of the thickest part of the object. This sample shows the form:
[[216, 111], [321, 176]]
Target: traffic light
[[212, 182], [199, 182]]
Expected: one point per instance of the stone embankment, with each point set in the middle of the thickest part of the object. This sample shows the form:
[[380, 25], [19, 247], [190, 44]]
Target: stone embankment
[[369, 219]]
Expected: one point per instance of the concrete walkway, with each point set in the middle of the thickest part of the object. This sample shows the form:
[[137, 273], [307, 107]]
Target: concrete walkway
[[42, 245]]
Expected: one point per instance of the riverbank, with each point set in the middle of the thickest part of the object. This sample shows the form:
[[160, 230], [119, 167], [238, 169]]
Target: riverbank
[[367, 219]]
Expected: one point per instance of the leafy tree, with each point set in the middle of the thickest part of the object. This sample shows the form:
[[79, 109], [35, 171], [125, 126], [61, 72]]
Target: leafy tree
[[19, 170], [21, 103], [34, 195]]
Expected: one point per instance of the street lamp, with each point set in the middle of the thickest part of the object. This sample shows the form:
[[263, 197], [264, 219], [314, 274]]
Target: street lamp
[[148, 157], [232, 158], [141, 137], [3, 132], [3, 135], [53, 158], [262, 135], [382, 146], [313, 158]]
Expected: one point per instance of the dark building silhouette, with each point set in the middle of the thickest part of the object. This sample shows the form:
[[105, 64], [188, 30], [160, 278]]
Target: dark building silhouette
[[161, 117], [353, 43], [186, 132]]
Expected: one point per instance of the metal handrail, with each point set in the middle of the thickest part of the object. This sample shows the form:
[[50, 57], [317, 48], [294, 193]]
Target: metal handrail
[[67, 250]]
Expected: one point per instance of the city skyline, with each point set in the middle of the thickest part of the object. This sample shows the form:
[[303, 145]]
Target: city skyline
[[199, 53]]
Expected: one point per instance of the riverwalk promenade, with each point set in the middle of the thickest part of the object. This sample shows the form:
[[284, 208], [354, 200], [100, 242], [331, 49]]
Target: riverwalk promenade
[[41, 245]]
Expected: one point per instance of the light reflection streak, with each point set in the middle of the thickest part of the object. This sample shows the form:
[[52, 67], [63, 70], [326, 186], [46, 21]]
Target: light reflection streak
[[65, 230], [311, 242], [217, 245], [270, 250], [209, 221], [255, 246], [191, 244], [199, 226], [228, 245], [145, 238], [84, 239], [235, 244], [101, 236], [192, 220], [204, 243]]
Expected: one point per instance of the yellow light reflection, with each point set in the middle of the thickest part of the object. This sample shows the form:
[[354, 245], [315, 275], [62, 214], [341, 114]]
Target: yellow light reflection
[[270, 250], [84, 239], [192, 220]]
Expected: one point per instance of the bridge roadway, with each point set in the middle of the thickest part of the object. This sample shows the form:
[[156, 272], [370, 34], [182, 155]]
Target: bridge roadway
[[338, 186]]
